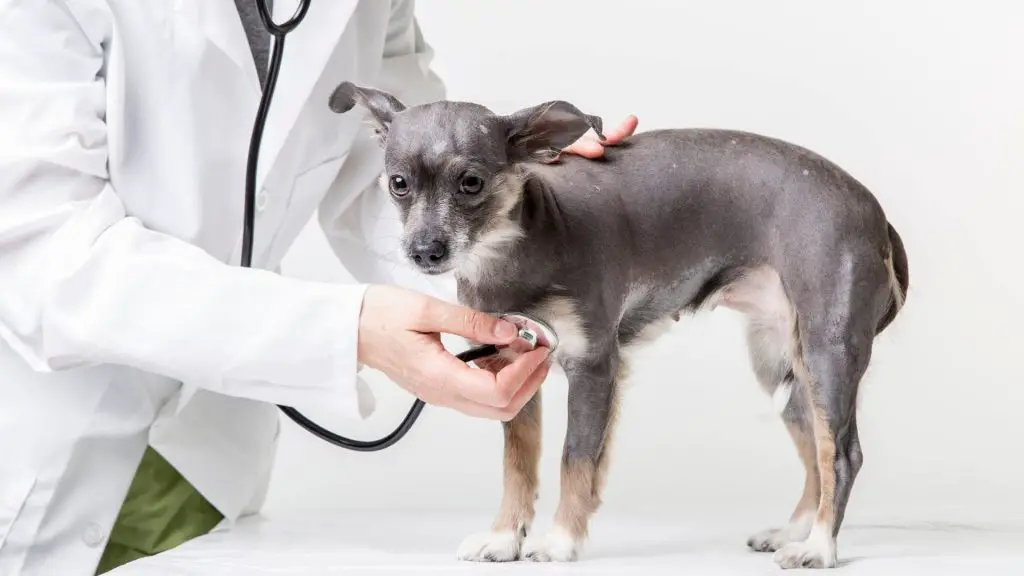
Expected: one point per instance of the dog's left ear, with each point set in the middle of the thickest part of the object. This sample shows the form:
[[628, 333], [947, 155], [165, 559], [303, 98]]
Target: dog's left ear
[[382, 106], [541, 132]]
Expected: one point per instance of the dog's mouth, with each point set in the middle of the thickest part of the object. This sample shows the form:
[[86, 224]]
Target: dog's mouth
[[436, 270]]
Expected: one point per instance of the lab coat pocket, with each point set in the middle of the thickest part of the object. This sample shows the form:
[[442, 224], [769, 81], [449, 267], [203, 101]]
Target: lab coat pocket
[[15, 488]]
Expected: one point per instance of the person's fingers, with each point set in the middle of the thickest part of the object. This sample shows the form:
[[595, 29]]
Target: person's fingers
[[453, 378], [492, 364], [456, 378], [529, 389], [624, 130], [438, 316], [533, 383], [446, 394], [591, 146], [587, 146], [478, 410], [511, 379], [441, 379]]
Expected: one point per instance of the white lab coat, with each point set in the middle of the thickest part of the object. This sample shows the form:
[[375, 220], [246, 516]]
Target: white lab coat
[[124, 319]]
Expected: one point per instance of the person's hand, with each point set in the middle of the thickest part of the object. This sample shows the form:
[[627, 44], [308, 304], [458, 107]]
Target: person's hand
[[400, 335], [590, 146]]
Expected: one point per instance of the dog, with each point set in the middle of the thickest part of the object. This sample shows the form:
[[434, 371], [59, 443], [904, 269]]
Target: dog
[[611, 252]]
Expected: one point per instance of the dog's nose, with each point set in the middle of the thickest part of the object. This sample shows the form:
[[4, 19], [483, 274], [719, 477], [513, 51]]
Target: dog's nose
[[427, 253]]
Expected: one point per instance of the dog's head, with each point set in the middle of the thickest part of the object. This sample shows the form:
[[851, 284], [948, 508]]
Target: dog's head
[[450, 167]]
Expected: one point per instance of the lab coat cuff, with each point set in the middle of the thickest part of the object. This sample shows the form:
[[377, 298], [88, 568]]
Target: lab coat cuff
[[357, 399], [339, 390]]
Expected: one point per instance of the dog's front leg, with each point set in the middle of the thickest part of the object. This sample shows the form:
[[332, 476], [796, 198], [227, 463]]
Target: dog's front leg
[[593, 404], [522, 454]]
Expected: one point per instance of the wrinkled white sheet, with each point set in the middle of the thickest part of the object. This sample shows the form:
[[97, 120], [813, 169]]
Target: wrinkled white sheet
[[422, 544]]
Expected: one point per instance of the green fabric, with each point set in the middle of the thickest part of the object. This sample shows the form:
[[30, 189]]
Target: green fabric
[[162, 510]]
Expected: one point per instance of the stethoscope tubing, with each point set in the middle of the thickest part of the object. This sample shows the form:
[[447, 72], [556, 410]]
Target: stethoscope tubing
[[279, 31], [397, 434]]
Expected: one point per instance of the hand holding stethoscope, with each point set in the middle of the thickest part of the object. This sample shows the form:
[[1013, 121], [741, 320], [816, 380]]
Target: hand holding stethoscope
[[397, 323]]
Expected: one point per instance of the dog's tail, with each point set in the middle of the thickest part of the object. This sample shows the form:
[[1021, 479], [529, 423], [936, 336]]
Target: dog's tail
[[899, 278]]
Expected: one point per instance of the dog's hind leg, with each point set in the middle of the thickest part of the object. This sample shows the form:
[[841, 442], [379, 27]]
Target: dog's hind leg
[[796, 416], [761, 297], [593, 401], [522, 454], [833, 379], [835, 345]]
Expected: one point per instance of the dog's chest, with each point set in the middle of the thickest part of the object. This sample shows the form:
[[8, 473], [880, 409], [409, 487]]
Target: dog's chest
[[554, 307], [500, 297]]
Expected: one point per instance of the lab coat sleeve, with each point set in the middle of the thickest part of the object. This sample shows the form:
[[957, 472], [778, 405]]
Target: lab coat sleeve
[[357, 217], [84, 283]]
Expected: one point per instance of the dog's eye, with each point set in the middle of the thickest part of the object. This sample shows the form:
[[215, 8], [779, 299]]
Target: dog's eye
[[471, 184], [399, 187]]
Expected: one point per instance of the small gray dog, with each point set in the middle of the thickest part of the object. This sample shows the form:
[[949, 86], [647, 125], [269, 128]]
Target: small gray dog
[[610, 252]]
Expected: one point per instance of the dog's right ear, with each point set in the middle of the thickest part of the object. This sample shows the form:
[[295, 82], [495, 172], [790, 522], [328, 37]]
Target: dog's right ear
[[541, 132], [382, 106]]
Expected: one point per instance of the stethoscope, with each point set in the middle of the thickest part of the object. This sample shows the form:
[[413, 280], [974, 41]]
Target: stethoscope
[[532, 332]]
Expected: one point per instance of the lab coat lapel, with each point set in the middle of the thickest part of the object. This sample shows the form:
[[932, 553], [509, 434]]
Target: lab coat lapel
[[220, 21], [306, 52]]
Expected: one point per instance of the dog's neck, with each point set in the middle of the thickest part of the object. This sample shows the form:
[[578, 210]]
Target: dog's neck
[[520, 250]]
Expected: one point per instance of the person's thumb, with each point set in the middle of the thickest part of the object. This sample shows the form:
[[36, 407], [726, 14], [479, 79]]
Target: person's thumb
[[438, 316]]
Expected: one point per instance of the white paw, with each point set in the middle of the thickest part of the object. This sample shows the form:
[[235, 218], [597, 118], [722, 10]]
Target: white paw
[[818, 551], [555, 546], [491, 547], [775, 538], [768, 540]]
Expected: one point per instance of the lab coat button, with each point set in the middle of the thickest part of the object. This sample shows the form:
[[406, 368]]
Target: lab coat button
[[93, 536], [261, 200]]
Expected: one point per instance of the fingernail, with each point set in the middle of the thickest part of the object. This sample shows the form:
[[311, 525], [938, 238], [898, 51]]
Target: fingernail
[[504, 329]]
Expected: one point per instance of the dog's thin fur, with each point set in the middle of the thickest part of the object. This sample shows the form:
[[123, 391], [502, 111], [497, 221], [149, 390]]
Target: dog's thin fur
[[611, 252]]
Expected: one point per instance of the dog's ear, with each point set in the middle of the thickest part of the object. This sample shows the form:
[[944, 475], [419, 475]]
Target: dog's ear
[[381, 105], [541, 132]]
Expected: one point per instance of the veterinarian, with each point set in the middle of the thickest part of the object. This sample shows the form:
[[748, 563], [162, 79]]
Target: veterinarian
[[131, 343]]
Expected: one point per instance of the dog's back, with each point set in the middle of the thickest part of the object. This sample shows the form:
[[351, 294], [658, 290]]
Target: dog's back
[[671, 181], [686, 211]]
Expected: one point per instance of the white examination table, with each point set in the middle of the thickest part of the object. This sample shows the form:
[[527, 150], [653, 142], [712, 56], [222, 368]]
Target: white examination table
[[383, 545]]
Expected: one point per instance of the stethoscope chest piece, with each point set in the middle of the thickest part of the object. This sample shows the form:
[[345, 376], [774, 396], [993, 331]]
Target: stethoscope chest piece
[[533, 332]]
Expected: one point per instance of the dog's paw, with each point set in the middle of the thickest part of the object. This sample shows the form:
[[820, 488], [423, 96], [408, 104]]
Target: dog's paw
[[491, 547], [811, 553], [775, 538], [768, 540], [555, 546]]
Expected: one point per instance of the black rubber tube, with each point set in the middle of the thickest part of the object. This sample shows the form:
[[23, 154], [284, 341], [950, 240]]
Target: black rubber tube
[[397, 434]]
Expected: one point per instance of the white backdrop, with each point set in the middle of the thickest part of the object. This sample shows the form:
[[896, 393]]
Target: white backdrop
[[921, 104]]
